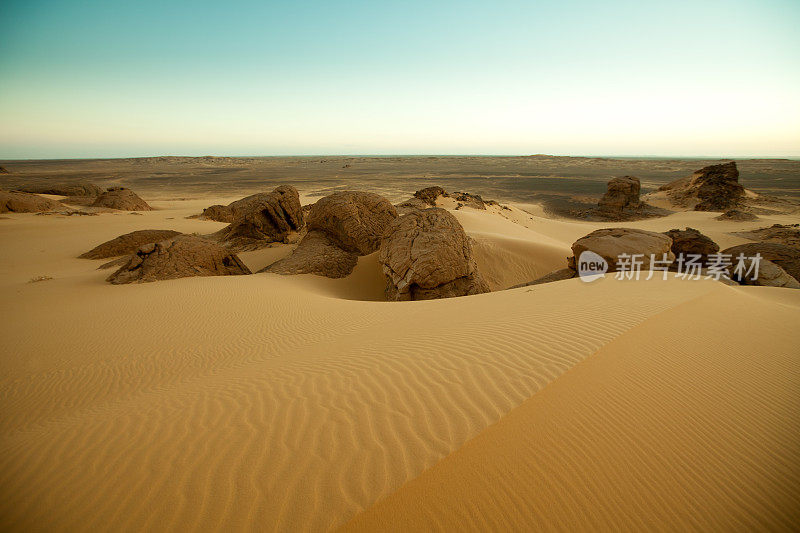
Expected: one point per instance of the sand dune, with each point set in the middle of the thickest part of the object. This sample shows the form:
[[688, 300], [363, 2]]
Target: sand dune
[[269, 402]]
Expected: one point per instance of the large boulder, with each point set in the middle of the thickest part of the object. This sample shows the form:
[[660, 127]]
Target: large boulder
[[128, 243], [316, 254], [622, 193], [610, 243], [23, 202], [786, 257], [232, 211], [121, 198], [354, 220], [270, 217], [764, 274], [425, 255], [78, 188], [712, 188], [690, 241], [179, 257]]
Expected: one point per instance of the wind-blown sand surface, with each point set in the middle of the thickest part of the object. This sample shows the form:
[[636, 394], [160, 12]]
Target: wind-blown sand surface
[[267, 402]]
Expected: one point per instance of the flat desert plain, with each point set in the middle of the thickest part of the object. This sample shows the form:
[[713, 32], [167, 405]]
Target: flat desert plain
[[304, 403]]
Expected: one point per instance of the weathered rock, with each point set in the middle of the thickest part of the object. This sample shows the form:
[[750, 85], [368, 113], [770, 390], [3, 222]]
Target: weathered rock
[[354, 220], [4, 170], [622, 193], [219, 213], [179, 257], [737, 215], [316, 254], [425, 255], [271, 217], [122, 199], [713, 188], [78, 188], [788, 234], [128, 243], [23, 202], [556, 275], [610, 243], [769, 274], [469, 200], [786, 257], [691, 242], [410, 205], [232, 211], [430, 194]]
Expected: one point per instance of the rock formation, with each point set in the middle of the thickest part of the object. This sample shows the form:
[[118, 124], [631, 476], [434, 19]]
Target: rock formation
[[712, 188], [786, 257], [23, 202], [353, 220], [610, 243], [737, 215], [425, 255], [232, 211], [316, 254], [78, 188], [121, 198], [788, 234], [128, 243], [430, 194], [769, 275], [269, 217], [179, 257], [691, 242], [622, 193]]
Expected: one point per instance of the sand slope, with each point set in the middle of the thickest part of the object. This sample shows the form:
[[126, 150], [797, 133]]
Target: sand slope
[[284, 403]]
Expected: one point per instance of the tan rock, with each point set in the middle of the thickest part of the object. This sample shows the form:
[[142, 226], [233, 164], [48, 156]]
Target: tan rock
[[268, 218], [316, 254], [122, 199], [23, 202], [427, 255], [179, 257], [128, 243], [610, 243], [354, 220]]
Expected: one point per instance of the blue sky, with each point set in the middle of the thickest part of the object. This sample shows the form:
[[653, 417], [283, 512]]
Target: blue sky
[[110, 78]]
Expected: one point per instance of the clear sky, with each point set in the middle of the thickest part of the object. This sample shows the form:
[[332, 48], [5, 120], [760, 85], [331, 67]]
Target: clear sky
[[100, 78]]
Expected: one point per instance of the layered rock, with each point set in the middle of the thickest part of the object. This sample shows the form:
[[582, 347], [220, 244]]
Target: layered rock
[[121, 198], [622, 193], [232, 211], [79, 188], [179, 257], [23, 202], [316, 254], [269, 217], [786, 257], [712, 188], [353, 220], [691, 242], [430, 194], [128, 243], [425, 255], [610, 243]]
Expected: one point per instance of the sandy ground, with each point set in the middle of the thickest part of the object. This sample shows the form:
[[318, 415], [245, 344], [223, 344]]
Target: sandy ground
[[267, 402]]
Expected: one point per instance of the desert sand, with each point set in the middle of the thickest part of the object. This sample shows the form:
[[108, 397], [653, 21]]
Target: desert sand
[[302, 403]]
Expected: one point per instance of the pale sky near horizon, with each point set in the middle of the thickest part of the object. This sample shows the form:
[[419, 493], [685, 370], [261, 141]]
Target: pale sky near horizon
[[116, 79]]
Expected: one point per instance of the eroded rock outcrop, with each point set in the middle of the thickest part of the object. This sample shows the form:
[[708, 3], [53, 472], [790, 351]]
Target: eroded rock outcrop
[[23, 202], [690, 241], [788, 234], [179, 257], [232, 211], [610, 243], [269, 217], [354, 220], [737, 215], [786, 257], [430, 194], [128, 243], [316, 254], [622, 193], [79, 188], [769, 274], [425, 255], [122, 199], [712, 188]]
